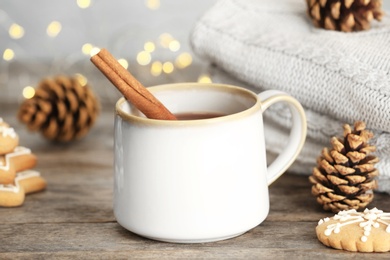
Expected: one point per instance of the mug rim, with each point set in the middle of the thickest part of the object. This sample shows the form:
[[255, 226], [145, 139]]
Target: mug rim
[[231, 88]]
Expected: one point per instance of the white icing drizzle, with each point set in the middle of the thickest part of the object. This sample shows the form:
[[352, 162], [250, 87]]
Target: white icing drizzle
[[19, 150], [19, 176], [368, 219], [323, 220], [10, 187], [5, 130]]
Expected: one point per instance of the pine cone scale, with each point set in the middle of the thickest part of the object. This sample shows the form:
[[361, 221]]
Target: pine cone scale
[[337, 144], [355, 156], [54, 90], [82, 118], [355, 179], [348, 3], [336, 180], [343, 170], [335, 10], [73, 103]]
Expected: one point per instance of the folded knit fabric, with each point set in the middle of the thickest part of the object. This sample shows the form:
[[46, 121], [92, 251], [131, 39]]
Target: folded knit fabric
[[277, 122], [338, 77]]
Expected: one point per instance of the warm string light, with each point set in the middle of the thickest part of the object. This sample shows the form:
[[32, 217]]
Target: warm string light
[[168, 67], [152, 4], [28, 92], [165, 39], [156, 68], [83, 4], [93, 51], [81, 79], [167, 42], [124, 63], [53, 29], [174, 45], [183, 60], [147, 57], [87, 48], [149, 47], [8, 54], [144, 58], [16, 31], [204, 78]]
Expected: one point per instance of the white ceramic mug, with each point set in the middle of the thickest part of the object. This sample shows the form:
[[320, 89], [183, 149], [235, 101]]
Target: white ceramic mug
[[198, 180]]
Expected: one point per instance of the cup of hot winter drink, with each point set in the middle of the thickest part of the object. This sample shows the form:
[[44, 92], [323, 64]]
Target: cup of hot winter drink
[[203, 177]]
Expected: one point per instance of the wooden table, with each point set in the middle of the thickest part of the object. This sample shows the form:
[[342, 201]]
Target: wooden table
[[73, 218]]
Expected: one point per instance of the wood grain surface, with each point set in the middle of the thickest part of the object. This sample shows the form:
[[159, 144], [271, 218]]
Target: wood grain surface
[[73, 218]]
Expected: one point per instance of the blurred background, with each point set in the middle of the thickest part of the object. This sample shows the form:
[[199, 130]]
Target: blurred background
[[44, 38]]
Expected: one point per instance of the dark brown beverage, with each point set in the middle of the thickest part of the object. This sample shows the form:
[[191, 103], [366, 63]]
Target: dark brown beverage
[[197, 115]]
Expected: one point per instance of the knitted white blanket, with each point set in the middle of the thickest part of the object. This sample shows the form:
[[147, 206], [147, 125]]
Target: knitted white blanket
[[338, 77]]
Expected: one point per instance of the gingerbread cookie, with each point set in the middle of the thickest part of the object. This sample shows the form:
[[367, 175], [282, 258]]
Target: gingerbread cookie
[[13, 195], [19, 159], [367, 231], [8, 138], [31, 181]]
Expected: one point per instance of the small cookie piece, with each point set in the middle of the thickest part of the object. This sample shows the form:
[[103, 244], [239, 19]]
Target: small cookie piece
[[367, 231], [13, 195], [31, 181], [19, 159], [8, 138]]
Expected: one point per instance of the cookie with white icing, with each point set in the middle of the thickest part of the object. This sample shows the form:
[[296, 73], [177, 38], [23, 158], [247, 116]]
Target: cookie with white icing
[[367, 231], [19, 159], [31, 181], [13, 195], [8, 138]]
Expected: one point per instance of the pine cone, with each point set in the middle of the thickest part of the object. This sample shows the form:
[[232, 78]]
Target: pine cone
[[344, 15], [345, 176], [62, 109]]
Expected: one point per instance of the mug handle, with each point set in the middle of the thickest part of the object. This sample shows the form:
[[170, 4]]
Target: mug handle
[[297, 134]]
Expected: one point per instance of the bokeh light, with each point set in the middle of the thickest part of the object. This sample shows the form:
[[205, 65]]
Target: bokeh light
[[94, 51], [144, 58], [54, 28], [16, 31], [174, 45], [183, 60], [8, 54], [87, 48], [156, 68], [83, 3], [124, 63], [204, 78], [165, 39], [28, 92], [168, 67], [81, 79], [152, 4], [149, 46]]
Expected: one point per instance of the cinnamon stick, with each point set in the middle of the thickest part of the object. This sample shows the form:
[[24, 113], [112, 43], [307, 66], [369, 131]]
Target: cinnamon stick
[[130, 87]]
